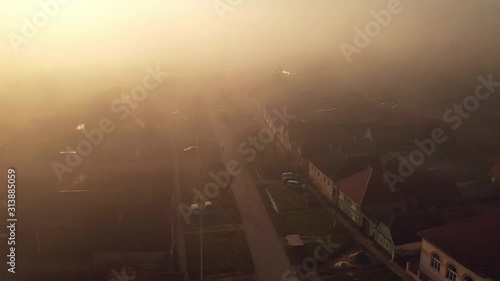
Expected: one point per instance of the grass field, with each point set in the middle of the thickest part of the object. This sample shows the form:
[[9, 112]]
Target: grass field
[[224, 253]]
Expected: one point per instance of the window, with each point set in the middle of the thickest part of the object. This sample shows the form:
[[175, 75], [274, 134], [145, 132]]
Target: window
[[468, 278], [347, 201], [435, 262], [451, 273], [353, 206], [387, 244], [341, 196]]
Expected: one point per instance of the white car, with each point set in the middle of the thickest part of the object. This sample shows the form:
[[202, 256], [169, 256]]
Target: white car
[[295, 185], [206, 207], [290, 175]]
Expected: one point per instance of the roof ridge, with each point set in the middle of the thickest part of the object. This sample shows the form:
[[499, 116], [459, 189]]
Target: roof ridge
[[457, 222], [339, 181], [367, 182]]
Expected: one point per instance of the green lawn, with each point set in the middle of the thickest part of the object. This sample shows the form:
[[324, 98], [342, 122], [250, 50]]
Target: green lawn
[[296, 217], [285, 199], [224, 205]]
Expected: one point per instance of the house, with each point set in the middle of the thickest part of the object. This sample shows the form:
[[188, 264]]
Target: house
[[397, 235], [397, 138], [309, 150], [467, 250], [474, 191], [316, 141], [326, 169], [365, 195], [495, 173], [430, 189]]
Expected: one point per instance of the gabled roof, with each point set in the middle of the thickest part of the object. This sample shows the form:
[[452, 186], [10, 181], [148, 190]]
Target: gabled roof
[[313, 149], [361, 146], [404, 227], [303, 131], [398, 135], [495, 171], [368, 188], [432, 188], [338, 165], [331, 164], [474, 243]]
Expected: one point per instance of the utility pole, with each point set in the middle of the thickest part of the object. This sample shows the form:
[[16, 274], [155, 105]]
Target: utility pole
[[201, 225], [336, 205], [201, 204]]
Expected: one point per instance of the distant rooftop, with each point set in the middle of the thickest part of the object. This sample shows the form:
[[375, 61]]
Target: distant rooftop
[[474, 243]]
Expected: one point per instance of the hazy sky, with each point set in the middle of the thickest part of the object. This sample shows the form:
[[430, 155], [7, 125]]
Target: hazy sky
[[88, 46], [92, 31], [437, 35]]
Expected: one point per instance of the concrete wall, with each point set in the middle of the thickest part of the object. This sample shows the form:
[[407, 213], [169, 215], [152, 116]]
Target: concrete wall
[[425, 265], [407, 249]]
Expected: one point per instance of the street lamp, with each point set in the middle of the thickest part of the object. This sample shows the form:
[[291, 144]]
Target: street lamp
[[201, 204], [190, 148]]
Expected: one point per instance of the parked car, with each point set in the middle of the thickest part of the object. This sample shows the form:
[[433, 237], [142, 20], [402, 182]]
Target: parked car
[[295, 185], [290, 175], [286, 179], [206, 208]]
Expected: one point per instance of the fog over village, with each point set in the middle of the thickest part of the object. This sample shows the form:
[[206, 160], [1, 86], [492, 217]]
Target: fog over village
[[249, 140]]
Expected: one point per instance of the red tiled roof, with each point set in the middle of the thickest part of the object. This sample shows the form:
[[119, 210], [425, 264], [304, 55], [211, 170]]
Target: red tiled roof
[[495, 171], [474, 243], [431, 188], [404, 227], [368, 188]]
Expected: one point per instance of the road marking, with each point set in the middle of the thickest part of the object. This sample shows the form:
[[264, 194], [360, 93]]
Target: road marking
[[272, 201], [257, 172]]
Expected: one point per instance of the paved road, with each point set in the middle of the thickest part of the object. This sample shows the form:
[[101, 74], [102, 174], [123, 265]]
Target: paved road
[[266, 247]]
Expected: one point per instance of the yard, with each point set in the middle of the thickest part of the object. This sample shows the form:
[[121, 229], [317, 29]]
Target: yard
[[224, 253], [297, 217], [225, 210]]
